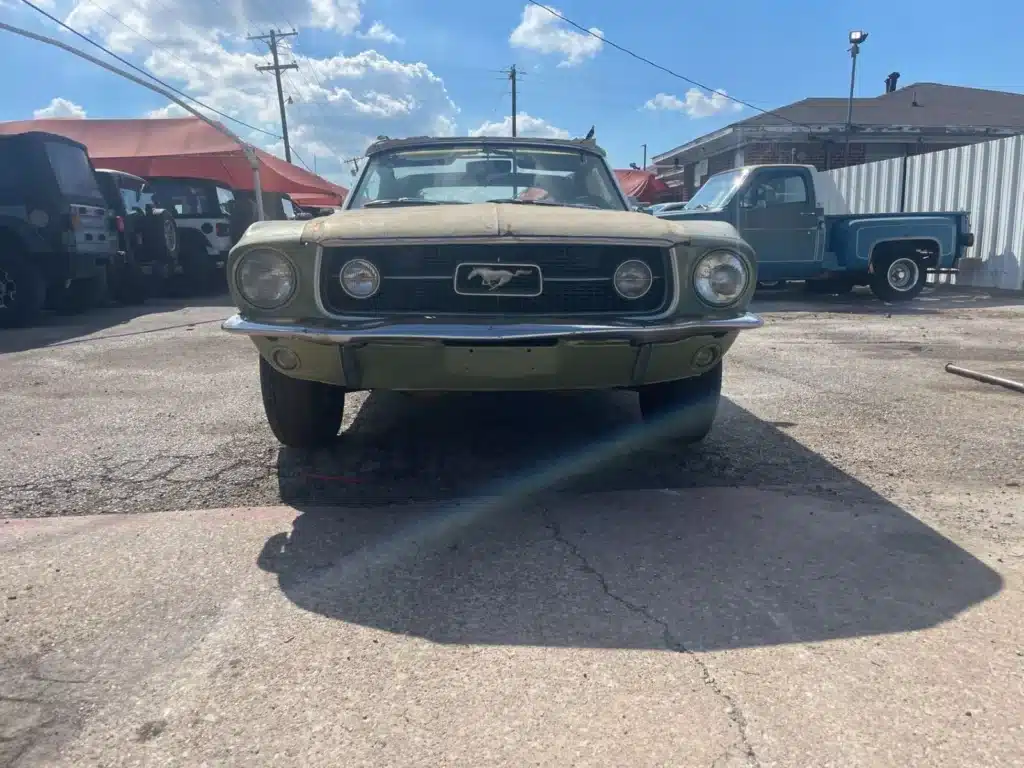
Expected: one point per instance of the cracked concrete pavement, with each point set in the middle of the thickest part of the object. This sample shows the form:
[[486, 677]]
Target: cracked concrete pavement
[[834, 579]]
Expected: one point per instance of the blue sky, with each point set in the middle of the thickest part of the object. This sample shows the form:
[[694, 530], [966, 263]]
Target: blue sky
[[436, 64]]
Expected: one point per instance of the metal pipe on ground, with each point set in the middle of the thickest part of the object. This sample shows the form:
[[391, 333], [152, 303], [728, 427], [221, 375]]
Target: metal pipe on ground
[[249, 150], [985, 378]]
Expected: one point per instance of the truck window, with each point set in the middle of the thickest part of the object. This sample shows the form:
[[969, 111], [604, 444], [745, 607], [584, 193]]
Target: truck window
[[777, 188], [72, 170]]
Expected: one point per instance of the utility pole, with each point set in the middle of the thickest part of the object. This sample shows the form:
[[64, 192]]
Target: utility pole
[[272, 39], [513, 77]]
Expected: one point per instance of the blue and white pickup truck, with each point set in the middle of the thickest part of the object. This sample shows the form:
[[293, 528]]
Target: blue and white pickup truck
[[785, 213]]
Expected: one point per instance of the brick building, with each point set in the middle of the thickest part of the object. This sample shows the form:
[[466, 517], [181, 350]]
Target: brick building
[[918, 118]]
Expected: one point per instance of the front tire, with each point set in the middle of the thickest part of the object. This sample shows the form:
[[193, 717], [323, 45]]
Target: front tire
[[898, 278], [301, 414], [685, 408]]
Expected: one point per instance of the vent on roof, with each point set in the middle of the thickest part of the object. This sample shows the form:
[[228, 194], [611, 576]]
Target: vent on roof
[[890, 82]]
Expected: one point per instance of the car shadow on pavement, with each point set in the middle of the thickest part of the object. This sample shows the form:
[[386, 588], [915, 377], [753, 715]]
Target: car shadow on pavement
[[54, 329], [748, 540], [862, 302]]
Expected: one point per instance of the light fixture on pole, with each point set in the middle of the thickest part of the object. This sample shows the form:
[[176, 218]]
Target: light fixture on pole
[[857, 37]]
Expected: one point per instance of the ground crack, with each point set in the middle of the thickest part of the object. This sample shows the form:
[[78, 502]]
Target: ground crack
[[671, 643]]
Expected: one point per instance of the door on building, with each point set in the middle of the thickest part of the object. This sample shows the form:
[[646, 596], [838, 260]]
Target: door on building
[[779, 218]]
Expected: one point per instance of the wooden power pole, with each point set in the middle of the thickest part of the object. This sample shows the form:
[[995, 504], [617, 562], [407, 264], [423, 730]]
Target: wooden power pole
[[272, 39], [513, 77]]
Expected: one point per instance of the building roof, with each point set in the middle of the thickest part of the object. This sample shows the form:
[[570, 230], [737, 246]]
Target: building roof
[[917, 109], [920, 105]]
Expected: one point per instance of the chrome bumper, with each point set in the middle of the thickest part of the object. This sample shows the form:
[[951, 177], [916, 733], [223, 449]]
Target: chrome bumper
[[381, 330]]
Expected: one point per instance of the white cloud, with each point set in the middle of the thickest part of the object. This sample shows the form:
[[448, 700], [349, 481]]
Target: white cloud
[[525, 126], [378, 31], [338, 103], [59, 107], [695, 103], [544, 32]]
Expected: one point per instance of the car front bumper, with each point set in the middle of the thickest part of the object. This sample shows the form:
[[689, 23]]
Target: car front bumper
[[477, 356]]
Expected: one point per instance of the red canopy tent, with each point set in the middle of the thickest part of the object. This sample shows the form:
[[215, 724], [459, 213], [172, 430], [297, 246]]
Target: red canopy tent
[[184, 147], [643, 185]]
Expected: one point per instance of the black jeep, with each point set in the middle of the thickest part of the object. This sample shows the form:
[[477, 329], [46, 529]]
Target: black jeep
[[147, 237], [57, 237]]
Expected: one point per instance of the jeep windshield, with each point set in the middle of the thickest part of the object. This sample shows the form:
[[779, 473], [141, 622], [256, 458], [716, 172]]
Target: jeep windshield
[[498, 172]]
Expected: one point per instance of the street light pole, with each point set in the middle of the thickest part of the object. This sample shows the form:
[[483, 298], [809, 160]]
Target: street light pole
[[856, 38]]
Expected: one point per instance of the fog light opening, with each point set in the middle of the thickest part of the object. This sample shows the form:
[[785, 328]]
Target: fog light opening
[[285, 359], [706, 356]]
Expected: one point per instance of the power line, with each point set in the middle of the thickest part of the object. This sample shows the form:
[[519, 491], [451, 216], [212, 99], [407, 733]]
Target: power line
[[654, 64], [140, 70]]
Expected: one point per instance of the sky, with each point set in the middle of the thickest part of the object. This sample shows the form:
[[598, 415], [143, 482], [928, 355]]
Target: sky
[[415, 67]]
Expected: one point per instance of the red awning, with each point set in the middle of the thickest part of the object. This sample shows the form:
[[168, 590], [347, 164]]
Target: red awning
[[643, 185], [185, 147]]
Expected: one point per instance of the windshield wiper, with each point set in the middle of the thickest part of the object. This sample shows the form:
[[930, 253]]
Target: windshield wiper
[[517, 201], [408, 201]]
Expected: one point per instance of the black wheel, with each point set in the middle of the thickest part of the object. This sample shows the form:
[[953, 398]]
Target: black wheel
[[22, 289], [80, 296], [684, 409], [831, 286], [898, 278], [160, 240], [301, 414]]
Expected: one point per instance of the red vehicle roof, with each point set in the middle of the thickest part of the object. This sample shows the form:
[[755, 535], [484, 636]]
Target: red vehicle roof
[[183, 147]]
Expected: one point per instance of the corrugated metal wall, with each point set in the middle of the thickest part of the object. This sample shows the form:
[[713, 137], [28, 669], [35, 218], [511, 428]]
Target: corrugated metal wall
[[986, 179]]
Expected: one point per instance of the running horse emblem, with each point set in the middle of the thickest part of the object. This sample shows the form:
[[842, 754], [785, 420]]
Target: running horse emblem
[[496, 278]]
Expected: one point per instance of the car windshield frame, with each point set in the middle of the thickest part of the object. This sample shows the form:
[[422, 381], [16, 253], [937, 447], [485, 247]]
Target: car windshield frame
[[523, 173], [717, 191]]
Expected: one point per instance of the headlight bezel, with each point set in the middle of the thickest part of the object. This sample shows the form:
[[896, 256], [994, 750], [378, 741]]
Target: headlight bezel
[[292, 270], [650, 279], [374, 270], [745, 268]]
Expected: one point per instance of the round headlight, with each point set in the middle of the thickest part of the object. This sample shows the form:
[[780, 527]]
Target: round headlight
[[720, 278], [265, 278], [359, 279], [632, 279]]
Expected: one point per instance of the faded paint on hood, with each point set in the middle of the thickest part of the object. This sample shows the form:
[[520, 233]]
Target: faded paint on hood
[[491, 220]]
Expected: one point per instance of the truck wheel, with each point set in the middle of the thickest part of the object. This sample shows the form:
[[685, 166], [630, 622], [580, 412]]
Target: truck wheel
[[686, 408], [302, 414], [82, 295], [898, 278], [22, 290]]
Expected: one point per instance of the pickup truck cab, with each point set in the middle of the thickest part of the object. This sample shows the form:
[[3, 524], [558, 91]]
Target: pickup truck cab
[[780, 210]]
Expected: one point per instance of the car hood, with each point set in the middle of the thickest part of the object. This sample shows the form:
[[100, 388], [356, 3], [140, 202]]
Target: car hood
[[496, 220]]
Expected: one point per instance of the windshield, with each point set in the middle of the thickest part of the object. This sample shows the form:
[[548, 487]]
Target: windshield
[[717, 190], [475, 174]]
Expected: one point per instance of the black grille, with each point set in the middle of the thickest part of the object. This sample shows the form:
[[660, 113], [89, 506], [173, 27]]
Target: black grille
[[577, 279]]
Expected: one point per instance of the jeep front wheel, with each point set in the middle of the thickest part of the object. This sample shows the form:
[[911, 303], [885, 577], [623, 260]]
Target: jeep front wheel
[[302, 414], [898, 278], [685, 409]]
